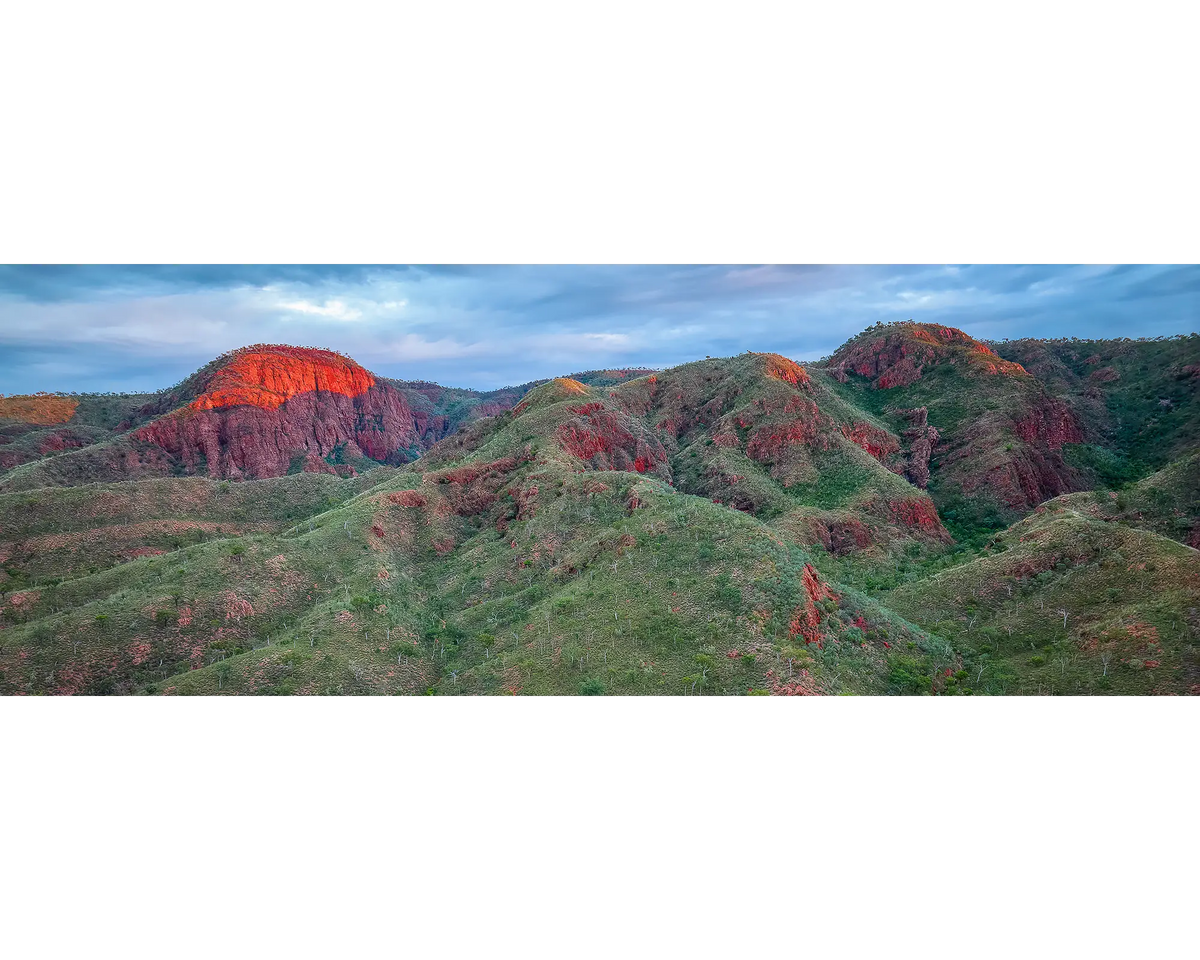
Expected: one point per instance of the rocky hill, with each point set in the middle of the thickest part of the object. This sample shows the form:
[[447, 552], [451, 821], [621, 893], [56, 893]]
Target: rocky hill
[[921, 513]]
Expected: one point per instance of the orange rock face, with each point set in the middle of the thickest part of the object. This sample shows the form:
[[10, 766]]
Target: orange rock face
[[39, 408], [268, 406], [781, 368], [270, 378]]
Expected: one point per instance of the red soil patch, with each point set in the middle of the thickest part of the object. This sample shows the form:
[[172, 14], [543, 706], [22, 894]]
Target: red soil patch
[[599, 436], [61, 440], [314, 464], [526, 502], [473, 471], [803, 685], [901, 374], [407, 498], [1031, 567]]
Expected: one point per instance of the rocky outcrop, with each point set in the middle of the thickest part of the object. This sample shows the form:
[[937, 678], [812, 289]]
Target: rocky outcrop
[[879, 443], [252, 441], [1048, 425], [807, 616], [264, 407], [897, 355], [43, 409], [1019, 473], [920, 439], [268, 377], [611, 440]]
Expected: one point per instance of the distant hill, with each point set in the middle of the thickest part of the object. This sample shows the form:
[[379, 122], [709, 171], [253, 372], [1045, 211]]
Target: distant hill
[[922, 514]]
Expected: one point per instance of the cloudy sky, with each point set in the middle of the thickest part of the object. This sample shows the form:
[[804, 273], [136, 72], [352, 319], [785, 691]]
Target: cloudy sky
[[144, 328]]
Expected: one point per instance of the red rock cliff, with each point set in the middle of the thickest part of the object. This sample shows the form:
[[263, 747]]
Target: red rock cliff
[[271, 405], [268, 378]]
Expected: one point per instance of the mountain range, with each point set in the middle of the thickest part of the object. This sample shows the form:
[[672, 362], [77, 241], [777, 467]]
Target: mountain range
[[919, 513]]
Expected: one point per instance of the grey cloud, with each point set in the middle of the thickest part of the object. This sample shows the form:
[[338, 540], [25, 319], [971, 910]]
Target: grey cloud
[[133, 327]]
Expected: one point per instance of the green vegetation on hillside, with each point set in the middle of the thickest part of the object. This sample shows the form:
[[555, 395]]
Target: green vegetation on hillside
[[732, 526]]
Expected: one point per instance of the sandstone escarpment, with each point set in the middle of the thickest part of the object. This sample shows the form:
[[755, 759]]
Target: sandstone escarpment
[[265, 410], [269, 377], [251, 441]]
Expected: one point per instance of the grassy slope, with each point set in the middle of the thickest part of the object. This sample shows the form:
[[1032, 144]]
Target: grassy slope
[[1166, 502], [726, 415], [544, 573], [60, 532], [982, 466], [95, 419], [503, 583], [1138, 399], [1129, 596]]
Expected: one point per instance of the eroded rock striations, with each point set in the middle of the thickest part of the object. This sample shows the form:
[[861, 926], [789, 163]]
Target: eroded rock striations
[[272, 407]]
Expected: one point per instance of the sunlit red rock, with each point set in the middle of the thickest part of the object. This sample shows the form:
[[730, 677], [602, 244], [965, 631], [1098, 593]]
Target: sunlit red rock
[[781, 368], [304, 403], [897, 355], [270, 377], [40, 408]]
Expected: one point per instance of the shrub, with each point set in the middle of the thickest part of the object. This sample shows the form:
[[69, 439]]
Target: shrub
[[730, 597], [907, 676], [592, 687]]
